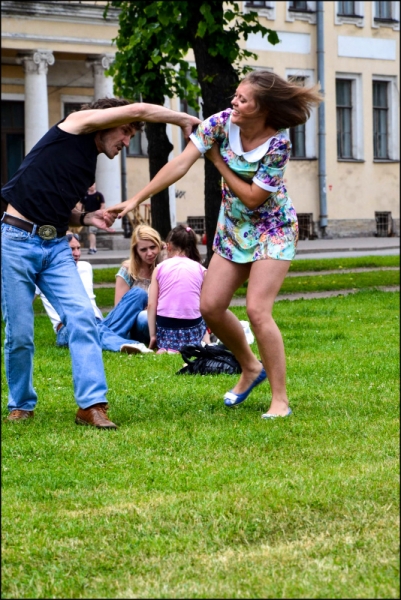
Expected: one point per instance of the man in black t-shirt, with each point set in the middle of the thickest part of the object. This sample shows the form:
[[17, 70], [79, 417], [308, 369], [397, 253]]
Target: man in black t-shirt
[[41, 200], [92, 201]]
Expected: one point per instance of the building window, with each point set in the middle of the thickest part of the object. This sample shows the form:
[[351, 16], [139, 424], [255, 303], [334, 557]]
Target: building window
[[303, 137], [301, 11], [297, 137], [380, 120], [70, 107], [383, 10], [12, 138], [344, 118], [386, 14], [298, 133], [257, 4], [138, 145], [349, 12], [347, 8], [264, 9], [301, 6]]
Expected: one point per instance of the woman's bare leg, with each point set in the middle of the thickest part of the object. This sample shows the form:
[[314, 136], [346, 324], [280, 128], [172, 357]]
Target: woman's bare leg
[[222, 279], [265, 280]]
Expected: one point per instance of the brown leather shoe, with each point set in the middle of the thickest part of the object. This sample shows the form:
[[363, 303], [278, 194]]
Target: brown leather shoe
[[19, 415], [96, 416]]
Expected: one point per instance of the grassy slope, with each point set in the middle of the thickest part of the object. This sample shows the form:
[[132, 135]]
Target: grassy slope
[[189, 499]]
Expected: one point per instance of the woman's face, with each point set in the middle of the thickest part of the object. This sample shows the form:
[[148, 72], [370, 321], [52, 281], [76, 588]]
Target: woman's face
[[244, 104], [147, 251]]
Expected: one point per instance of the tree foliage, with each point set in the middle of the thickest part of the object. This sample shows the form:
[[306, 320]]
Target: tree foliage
[[153, 42]]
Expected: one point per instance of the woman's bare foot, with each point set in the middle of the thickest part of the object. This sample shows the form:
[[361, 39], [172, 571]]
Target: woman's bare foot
[[279, 407]]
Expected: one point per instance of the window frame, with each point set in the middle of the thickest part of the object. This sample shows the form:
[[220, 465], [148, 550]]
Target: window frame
[[357, 19], [376, 113], [341, 110], [268, 10], [394, 22], [142, 141], [294, 14], [393, 142], [73, 99], [5, 131], [356, 116], [311, 124]]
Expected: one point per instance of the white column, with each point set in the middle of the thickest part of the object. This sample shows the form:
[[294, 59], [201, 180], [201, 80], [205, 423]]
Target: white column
[[108, 171], [35, 66]]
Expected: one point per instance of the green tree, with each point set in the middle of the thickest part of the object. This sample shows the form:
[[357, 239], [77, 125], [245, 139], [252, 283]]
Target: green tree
[[152, 42]]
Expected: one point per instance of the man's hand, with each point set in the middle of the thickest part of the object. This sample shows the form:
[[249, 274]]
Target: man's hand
[[100, 219], [189, 127]]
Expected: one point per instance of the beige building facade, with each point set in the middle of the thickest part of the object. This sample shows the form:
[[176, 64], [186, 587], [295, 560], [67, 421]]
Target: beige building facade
[[55, 56]]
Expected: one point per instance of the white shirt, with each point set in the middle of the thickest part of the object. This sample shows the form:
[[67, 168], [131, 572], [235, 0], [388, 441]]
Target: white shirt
[[86, 274]]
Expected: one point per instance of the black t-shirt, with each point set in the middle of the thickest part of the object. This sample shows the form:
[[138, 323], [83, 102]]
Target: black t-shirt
[[53, 177], [92, 202]]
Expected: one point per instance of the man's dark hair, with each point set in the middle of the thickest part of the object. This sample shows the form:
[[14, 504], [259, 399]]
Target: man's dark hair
[[112, 103]]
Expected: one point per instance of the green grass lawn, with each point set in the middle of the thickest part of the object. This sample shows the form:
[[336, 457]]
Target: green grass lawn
[[334, 281], [191, 499], [292, 285], [108, 275]]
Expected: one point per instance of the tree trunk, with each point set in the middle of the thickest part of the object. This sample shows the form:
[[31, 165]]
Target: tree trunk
[[216, 96], [159, 147]]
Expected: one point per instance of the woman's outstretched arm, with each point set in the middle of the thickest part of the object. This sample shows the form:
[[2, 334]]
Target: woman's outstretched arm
[[169, 174]]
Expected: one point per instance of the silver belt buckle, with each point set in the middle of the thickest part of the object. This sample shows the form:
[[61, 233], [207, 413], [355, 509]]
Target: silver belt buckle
[[47, 232]]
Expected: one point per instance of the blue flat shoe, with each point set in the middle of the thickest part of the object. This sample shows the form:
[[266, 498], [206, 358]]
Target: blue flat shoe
[[232, 399], [271, 416]]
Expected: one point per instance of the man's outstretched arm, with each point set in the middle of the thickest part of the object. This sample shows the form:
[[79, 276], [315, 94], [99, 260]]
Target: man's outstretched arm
[[87, 121]]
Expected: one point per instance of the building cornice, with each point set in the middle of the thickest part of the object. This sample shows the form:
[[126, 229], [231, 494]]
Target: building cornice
[[54, 39], [79, 12]]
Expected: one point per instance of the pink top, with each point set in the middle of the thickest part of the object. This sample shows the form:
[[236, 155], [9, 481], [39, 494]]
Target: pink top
[[180, 281]]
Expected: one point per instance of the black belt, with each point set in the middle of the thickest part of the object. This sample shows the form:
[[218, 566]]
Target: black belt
[[46, 232]]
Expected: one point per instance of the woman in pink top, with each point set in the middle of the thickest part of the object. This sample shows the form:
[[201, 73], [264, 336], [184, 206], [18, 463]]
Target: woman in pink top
[[174, 315]]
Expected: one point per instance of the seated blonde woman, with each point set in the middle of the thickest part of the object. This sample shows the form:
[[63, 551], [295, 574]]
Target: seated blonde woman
[[146, 252]]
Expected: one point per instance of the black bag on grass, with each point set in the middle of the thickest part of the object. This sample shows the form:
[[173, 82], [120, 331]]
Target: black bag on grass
[[208, 360]]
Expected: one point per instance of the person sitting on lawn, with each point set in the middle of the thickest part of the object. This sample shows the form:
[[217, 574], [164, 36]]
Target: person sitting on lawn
[[174, 295], [114, 329], [136, 272], [93, 200]]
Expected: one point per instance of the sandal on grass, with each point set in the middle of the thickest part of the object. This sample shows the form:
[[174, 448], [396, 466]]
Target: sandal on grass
[[232, 399], [271, 416]]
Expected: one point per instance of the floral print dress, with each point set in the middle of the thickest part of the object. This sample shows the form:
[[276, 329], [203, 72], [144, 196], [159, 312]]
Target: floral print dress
[[270, 231]]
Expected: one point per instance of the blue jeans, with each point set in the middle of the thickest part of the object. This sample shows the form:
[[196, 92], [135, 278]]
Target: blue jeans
[[27, 260], [114, 330], [140, 330]]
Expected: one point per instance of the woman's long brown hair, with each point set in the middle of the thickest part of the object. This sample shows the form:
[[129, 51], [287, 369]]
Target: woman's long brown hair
[[285, 103]]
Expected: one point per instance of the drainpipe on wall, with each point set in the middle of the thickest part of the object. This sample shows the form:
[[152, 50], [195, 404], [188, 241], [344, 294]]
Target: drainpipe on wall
[[322, 125], [123, 163]]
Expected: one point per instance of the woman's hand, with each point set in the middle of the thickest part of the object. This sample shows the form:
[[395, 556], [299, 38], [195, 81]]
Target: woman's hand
[[214, 154], [120, 210], [152, 343]]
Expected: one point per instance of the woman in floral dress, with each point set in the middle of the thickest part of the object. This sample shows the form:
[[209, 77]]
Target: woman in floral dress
[[257, 228]]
